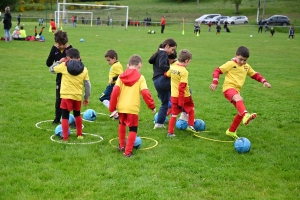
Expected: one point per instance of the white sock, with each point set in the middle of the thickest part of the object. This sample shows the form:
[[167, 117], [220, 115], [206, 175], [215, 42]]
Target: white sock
[[106, 103]]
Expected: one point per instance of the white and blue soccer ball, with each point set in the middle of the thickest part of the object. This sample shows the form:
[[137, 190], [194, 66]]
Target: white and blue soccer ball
[[137, 143], [181, 124], [71, 119], [90, 115], [81, 40], [242, 145], [156, 116], [59, 132], [199, 125]]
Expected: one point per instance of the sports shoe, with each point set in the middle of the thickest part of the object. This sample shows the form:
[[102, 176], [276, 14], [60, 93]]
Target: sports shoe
[[184, 116], [232, 134], [248, 117], [56, 121], [156, 126], [191, 129], [113, 114], [171, 135], [121, 148], [128, 155], [80, 137]]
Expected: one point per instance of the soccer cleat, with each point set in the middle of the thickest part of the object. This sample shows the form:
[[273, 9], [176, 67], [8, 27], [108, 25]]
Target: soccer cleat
[[248, 117], [56, 121], [232, 134], [191, 129], [156, 126], [114, 114], [171, 135], [122, 149], [80, 137], [128, 155]]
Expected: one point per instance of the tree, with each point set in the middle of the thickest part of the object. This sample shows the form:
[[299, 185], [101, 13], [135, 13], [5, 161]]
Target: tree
[[237, 3], [11, 3]]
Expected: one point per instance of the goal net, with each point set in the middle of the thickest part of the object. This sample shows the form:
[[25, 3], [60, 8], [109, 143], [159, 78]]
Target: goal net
[[65, 17], [108, 14]]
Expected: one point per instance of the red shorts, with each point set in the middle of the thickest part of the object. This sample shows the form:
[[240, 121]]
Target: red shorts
[[53, 28], [188, 105], [230, 93], [129, 120], [70, 104]]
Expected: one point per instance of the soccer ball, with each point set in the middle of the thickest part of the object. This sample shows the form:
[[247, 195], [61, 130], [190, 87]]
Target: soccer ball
[[149, 31], [152, 32], [199, 125], [242, 145], [156, 116], [90, 115], [250, 35], [71, 119], [58, 131], [181, 124], [138, 142], [81, 40]]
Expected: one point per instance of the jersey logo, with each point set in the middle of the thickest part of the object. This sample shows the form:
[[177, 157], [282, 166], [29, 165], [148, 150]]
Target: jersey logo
[[173, 71], [234, 66]]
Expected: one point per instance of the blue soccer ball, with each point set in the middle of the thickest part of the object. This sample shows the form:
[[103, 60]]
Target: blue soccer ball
[[81, 40], [156, 116], [138, 142], [90, 115], [181, 124], [71, 119], [242, 145], [58, 131], [199, 125]]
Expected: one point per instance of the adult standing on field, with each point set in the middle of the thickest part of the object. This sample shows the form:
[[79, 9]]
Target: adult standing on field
[[163, 23], [19, 19], [260, 26], [7, 24]]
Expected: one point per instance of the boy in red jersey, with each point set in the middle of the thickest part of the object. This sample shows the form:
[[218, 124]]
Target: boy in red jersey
[[74, 77], [53, 25], [125, 97], [236, 71], [180, 92]]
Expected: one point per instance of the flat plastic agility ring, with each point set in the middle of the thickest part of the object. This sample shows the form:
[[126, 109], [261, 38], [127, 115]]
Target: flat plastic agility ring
[[213, 140], [38, 125], [80, 143], [155, 143]]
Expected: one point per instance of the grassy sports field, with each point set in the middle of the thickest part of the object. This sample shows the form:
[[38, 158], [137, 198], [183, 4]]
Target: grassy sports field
[[186, 167]]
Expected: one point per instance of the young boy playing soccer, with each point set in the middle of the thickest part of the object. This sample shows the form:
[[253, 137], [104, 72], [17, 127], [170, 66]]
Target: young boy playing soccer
[[116, 69], [125, 98], [74, 77], [236, 71], [180, 92]]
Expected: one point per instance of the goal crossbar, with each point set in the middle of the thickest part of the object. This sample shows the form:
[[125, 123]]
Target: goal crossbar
[[79, 4]]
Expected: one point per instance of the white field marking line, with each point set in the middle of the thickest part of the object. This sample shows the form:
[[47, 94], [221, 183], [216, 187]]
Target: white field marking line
[[80, 143]]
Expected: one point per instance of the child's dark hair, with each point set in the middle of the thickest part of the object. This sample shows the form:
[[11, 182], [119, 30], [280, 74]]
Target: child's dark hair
[[173, 55], [111, 54], [73, 53], [61, 37], [243, 51]]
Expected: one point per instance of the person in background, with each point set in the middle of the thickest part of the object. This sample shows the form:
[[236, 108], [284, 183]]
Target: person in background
[[272, 31], [235, 72], [125, 98], [260, 26], [53, 25], [57, 52], [266, 26], [209, 25], [74, 77], [218, 27], [16, 34], [197, 28], [163, 24], [291, 32], [23, 34], [7, 24], [19, 19]]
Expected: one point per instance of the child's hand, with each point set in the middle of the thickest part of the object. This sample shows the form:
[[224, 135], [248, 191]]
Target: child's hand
[[110, 81], [85, 102], [266, 84], [213, 87], [64, 59], [154, 111]]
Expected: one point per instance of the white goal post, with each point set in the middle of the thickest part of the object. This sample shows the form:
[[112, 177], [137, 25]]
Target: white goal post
[[96, 5], [57, 15]]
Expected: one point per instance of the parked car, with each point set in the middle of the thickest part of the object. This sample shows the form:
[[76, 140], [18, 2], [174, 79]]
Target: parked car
[[238, 20], [223, 19], [277, 20], [206, 17], [215, 19]]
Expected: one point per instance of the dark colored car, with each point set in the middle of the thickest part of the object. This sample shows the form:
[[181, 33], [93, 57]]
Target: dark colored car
[[277, 20]]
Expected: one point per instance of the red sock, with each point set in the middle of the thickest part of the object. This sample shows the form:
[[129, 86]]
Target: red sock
[[78, 122], [172, 124], [130, 142], [122, 135], [240, 106], [65, 128], [191, 118], [235, 123]]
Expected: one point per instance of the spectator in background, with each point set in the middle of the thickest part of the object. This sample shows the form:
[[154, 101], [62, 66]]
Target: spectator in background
[[260, 26], [291, 32], [82, 20], [7, 24], [23, 34], [163, 23], [98, 20], [266, 26], [16, 34], [19, 19], [209, 25]]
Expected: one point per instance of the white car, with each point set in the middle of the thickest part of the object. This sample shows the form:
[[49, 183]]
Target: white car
[[238, 20], [206, 17], [215, 20]]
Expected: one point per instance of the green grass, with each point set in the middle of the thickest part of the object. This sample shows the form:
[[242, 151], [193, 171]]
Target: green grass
[[186, 167]]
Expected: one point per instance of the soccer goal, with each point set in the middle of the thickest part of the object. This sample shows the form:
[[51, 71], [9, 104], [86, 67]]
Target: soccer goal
[[114, 12], [65, 17]]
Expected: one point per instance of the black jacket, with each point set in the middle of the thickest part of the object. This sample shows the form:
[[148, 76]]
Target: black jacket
[[160, 62], [7, 21]]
